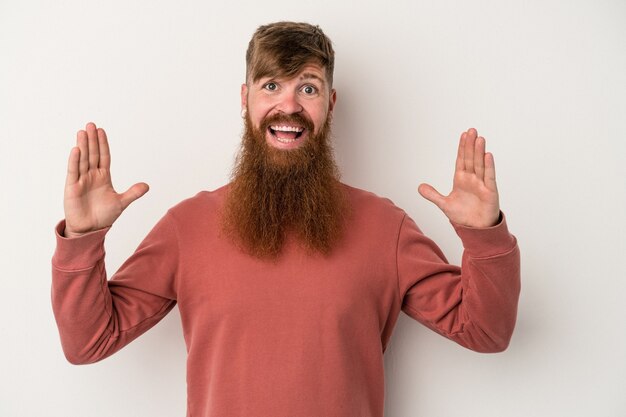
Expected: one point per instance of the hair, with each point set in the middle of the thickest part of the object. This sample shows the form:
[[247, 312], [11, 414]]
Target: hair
[[283, 48]]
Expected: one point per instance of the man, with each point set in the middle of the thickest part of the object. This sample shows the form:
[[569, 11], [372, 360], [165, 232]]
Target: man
[[289, 283]]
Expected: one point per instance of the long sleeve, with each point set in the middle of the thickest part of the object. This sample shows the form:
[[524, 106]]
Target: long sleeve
[[475, 305], [96, 317]]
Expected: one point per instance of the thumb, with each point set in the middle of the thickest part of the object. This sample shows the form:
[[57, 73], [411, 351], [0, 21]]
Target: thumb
[[133, 193], [432, 195]]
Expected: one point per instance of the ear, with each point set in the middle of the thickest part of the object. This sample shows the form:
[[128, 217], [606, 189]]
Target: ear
[[332, 100], [244, 96]]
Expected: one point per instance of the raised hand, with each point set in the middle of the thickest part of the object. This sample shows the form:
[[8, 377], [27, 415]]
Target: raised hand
[[473, 200], [90, 202]]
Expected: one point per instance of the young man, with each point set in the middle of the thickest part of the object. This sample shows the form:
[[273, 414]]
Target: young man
[[289, 283]]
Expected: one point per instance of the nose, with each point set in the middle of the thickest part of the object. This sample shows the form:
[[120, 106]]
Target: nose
[[289, 103]]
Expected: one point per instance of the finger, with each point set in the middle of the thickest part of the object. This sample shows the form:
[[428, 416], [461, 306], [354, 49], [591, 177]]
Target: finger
[[73, 166], [133, 193], [92, 141], [103, 145], [432, 195], [81, 143], [460, 155], [490, 172], [469, 150], [479, 157]]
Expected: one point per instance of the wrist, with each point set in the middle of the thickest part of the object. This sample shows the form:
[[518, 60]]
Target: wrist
[[68, 233]]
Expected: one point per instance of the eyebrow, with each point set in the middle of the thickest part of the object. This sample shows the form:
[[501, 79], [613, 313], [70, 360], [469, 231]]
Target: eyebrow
[[311, 76], [303, 77]]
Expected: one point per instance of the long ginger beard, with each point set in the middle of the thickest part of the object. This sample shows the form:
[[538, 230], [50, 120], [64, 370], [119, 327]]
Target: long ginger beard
[[278, 192]]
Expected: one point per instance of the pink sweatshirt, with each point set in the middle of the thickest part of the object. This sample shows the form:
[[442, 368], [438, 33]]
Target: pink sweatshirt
[[303, 336]]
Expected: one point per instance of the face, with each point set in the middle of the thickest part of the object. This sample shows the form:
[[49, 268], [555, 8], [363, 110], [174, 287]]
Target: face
[[290, 110]]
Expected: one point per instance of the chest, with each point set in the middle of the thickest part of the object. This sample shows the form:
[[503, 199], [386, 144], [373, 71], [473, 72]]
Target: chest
[[299, 291]]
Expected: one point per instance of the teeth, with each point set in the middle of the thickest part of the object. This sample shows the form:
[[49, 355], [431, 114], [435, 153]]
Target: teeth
[[285, 140], [287, 128]]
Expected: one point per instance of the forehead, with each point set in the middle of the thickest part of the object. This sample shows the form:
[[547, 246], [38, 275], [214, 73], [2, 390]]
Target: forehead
[[308, 72]]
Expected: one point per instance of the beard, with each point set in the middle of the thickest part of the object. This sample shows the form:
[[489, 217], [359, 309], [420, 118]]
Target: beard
[[276, 192]]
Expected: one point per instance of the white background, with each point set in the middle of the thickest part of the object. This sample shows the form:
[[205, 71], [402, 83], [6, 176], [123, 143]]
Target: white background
[[543, 81]]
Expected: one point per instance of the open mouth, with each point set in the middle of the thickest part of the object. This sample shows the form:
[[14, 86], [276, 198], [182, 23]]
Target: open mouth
[[286, 134]]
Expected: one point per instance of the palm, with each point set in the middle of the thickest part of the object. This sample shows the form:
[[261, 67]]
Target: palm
[[90, 201], [473, 200]]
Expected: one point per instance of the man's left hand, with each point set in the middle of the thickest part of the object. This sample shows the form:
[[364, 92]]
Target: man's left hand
[[473, 200]]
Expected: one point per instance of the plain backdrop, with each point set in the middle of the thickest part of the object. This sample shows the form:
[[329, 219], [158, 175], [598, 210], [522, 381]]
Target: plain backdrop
[[543, 81]]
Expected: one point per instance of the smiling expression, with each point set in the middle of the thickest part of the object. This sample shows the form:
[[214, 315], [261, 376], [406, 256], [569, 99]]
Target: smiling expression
[[292, 106]]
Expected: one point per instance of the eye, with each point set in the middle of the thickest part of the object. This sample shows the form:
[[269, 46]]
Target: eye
[[309, 90], [271, 86]]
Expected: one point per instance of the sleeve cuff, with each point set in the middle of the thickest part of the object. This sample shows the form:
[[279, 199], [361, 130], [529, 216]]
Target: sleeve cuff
[[78, 252], [486, 241]]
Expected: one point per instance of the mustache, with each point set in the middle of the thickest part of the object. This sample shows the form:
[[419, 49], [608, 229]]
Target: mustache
[[282, 118]]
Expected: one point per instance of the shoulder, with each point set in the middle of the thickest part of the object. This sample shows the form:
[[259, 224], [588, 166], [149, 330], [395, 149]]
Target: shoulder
[[204, 204], [368, 205]]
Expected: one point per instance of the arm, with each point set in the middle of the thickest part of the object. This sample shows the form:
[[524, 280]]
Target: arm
[[97, 317], [475, 305]]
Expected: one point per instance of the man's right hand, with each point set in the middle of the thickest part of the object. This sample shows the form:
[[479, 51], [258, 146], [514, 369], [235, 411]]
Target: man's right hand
[[90, 202]]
